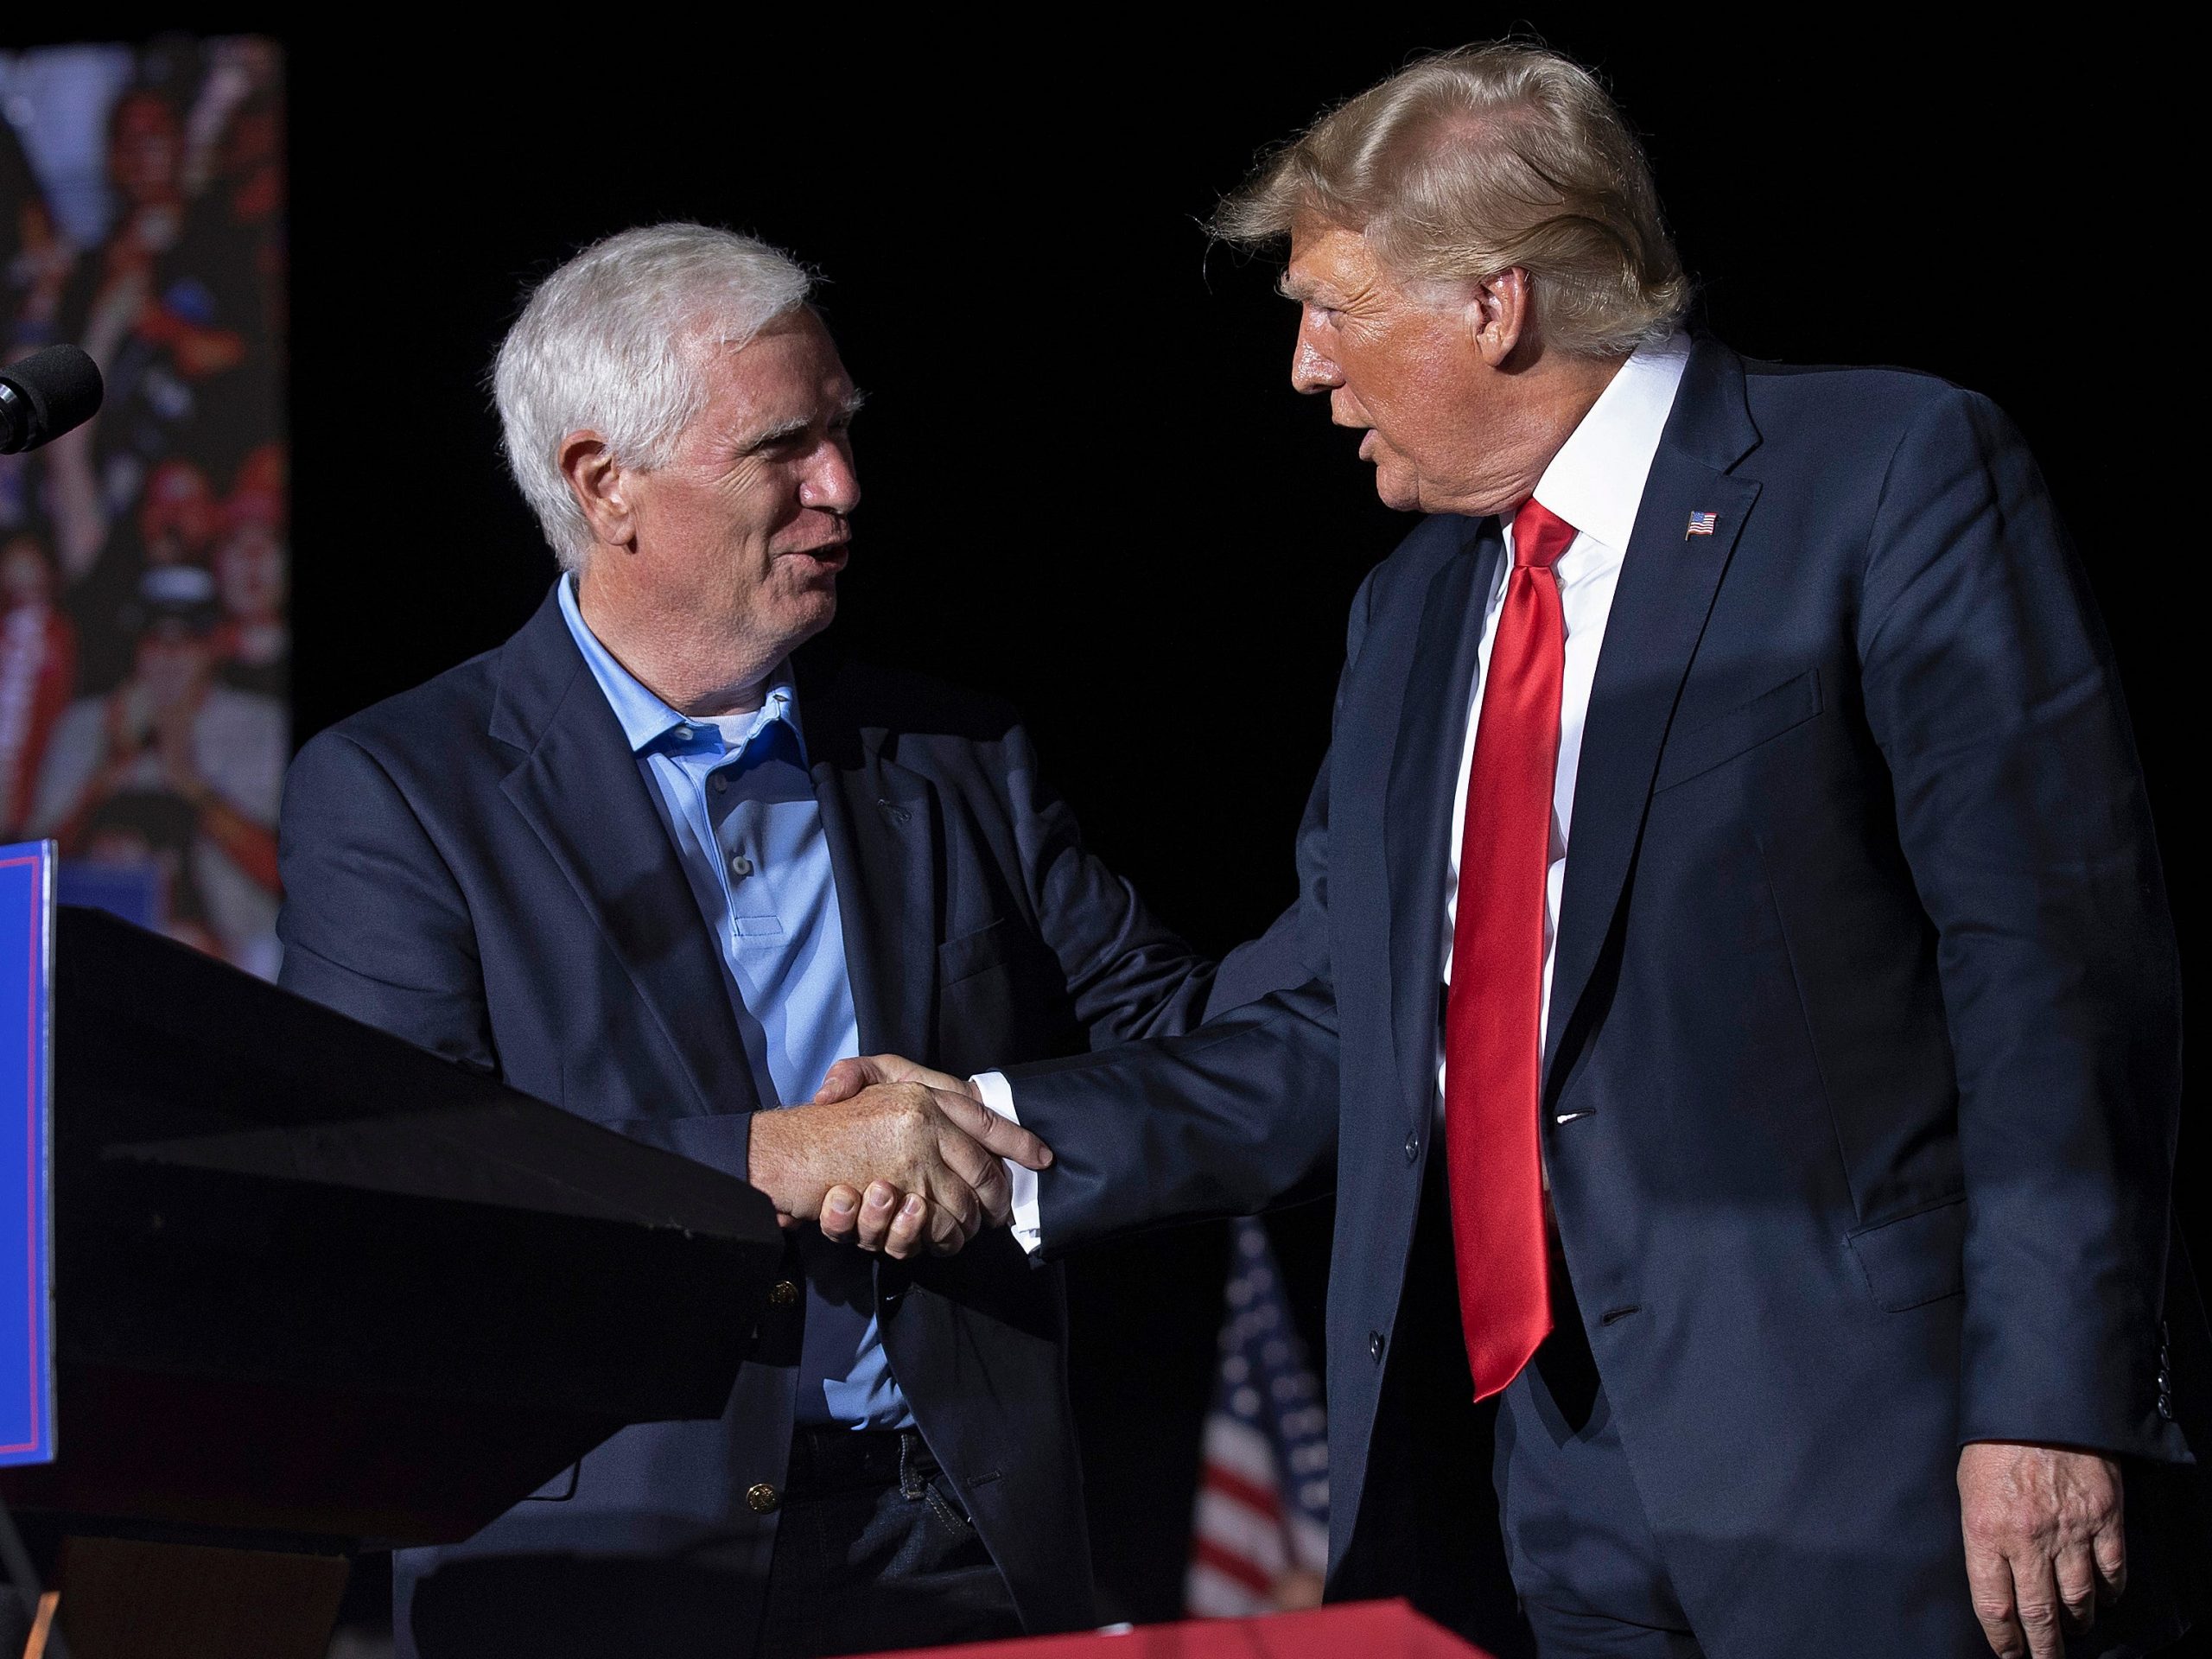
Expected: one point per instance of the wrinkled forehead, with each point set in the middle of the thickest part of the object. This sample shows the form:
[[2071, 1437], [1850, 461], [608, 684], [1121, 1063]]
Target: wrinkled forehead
[[1327, 259]]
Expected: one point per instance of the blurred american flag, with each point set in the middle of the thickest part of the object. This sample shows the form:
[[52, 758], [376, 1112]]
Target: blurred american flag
[[1260, 1539]]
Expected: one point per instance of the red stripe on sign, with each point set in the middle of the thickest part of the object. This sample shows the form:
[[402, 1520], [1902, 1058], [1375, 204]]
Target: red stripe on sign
[[1246, 1491], [1231, 1564]]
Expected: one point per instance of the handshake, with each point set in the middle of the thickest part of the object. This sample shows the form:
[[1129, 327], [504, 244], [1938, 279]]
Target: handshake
[[893, 1156]]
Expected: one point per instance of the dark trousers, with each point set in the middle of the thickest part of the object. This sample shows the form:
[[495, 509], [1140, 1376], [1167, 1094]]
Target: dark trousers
[[1562, 1565], [1582, 1554], [1580, 1548], [873, 1550]]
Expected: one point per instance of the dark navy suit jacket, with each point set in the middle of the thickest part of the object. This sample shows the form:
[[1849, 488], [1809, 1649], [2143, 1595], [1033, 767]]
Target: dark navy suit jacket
[[1864, 1017], [476, 865]]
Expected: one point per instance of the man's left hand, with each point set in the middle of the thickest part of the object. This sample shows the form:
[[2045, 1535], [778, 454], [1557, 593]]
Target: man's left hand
[[2045, 1538]]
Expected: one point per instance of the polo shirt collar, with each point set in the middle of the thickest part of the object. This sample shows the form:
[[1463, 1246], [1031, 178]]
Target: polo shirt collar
[[647, 722]]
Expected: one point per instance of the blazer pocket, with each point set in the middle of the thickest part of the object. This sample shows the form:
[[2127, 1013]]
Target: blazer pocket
[[1767, 716], [1916, 1259], [973, 953]]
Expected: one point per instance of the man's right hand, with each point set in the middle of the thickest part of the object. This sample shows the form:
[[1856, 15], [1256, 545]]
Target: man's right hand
[[886, 1218], [936, 1152]]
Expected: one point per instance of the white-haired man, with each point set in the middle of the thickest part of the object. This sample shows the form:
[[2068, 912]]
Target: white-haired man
[[651, 861], [1732, 984]]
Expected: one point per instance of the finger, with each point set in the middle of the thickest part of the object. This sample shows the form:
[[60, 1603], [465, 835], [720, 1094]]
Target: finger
[[2035, 1593], [947, 1236], [844, 1080], [908, 1227], [877, 1213], [2076, 1573], [841, 1210], [984, 1173], [1990, 1580], [2108, 1548], [954, 1212], [1001, 1134], [896, 1068]]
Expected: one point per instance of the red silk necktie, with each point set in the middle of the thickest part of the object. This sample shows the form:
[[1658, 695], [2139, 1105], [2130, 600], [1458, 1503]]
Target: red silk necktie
[[1492, 1051]]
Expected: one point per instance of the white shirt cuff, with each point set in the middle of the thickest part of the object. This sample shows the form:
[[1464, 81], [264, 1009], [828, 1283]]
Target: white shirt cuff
[[1028, 1223]]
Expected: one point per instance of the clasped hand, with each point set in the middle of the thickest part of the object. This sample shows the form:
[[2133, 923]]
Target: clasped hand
[[893, 1156]]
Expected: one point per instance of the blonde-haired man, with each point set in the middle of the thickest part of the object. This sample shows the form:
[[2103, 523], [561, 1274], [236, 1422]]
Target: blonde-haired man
[[1732, 984]]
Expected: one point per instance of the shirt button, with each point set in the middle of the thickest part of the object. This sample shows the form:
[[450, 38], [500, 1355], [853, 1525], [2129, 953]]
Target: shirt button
[[1374, 1346], [1413, 1148], [685, 733], [761, 1499], [740, 866]]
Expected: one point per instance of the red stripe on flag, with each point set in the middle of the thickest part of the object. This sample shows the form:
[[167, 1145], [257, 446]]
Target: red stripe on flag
[[1231, 1564], [1249, 1492]]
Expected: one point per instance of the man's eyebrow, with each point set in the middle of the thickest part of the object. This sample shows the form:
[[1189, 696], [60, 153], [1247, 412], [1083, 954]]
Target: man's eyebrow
[[799, 425], [1298, 289], [782, 430]]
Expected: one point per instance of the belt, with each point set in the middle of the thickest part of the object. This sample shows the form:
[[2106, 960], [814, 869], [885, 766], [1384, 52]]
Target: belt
[[830, 1460]]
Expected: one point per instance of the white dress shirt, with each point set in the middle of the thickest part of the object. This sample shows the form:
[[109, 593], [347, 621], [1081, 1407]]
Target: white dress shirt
[[1596, 484]]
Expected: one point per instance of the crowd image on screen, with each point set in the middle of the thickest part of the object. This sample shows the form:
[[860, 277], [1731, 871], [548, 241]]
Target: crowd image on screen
[[144, 646]]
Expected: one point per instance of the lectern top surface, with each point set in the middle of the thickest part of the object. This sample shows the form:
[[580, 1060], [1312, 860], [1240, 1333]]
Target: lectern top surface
[[180, 1060]]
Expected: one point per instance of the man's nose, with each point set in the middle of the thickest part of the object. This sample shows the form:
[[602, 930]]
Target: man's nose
[[1312, 368], [830, 483]]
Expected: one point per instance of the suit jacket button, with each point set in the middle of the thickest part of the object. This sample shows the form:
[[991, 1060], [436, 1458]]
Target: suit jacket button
[[782, 1293], [1413, 1148], [761, 1499], [1374, 1346]]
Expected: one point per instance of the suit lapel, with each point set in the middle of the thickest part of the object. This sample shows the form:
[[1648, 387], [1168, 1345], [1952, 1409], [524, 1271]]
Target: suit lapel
[[880, 822], [1417, 807], [580, 790], [1667, 586]]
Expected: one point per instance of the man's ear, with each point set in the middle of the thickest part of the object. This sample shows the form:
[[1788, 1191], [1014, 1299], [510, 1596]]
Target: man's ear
[[1499, 315], [600, 485]]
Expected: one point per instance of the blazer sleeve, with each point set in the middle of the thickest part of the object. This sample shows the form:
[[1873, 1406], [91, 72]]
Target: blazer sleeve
[[373, 923], [1128, 975], [2021, 810], [1229, 1119]]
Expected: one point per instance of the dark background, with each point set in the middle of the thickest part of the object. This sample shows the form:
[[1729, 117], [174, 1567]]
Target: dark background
[[1089, 485]]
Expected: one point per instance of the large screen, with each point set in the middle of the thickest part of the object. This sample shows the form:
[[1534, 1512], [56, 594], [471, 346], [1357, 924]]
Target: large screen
[[144, 648]]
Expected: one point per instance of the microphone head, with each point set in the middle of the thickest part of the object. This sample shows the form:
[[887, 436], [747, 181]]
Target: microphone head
[[45, 395]]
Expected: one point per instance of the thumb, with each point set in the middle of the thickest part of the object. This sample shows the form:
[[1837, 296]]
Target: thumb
[[847, 1078], [1001, 1135]]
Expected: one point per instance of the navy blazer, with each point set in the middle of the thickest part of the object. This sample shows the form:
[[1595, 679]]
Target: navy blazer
[[1865, 1021], [476, 865]]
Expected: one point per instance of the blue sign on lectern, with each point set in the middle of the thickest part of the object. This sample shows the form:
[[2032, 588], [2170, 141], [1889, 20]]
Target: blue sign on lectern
[[26, 1143]]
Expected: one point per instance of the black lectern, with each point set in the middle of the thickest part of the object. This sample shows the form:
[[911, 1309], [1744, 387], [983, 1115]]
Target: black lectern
[[318, 1289]]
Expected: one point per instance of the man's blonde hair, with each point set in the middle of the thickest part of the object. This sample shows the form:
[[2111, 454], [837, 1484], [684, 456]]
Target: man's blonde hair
[[1470, 162]]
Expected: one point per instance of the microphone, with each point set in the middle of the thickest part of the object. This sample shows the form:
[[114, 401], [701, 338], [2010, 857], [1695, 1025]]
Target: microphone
[[45, 395]]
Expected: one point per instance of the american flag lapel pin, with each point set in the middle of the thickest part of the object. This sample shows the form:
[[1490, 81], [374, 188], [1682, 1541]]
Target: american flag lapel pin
[[1701, 524]]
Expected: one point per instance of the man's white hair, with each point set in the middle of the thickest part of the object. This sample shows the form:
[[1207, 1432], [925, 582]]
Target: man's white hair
[[611, 342]]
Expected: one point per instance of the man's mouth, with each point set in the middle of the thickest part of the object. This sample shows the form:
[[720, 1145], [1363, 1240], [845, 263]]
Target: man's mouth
[[830, 555]]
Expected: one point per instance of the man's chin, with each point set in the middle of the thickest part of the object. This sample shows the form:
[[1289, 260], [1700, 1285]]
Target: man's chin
[[1396, 491], [816, 609]]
